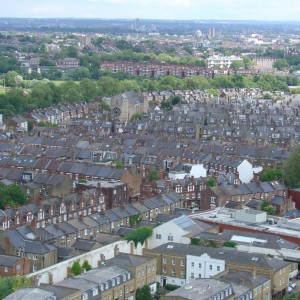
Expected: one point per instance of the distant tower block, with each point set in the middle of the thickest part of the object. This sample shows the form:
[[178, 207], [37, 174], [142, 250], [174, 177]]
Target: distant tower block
[[211, 32], [137, 24]]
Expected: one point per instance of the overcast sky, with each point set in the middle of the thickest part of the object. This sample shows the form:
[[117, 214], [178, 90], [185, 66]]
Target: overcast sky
[[155, 9]]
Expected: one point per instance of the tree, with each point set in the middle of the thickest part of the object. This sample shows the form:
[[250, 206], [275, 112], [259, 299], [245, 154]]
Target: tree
[[269, 209], [139, 235], [236, 65], [105, 106], [10, 78], [108, 86], [271, 174], [247, 62], [176, 100], [79, 74], [291, 169], [267, 96], [143, 293], [88, 89], [166, 105], [119, 164], [72, 51], [86, 266], [133, 220], [76, 269], [212, 91], [229, 244], [12, 195], [281, 64], [211, 182], [136, 116], [153, 175], [9, 285]]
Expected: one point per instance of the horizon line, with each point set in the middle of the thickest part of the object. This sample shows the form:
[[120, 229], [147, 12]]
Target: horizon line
[[154, 19]]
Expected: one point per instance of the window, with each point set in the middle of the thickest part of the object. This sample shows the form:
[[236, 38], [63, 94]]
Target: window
[[218, 268], [158, 236], [18, 267], [200, 265], [173, 273], [95, 291], [5, 269], [85, 296], [182, 263], [170, 238], [192, 264], [192, 275], [181, 274], [164, 260], [210, 267], [164, 270]]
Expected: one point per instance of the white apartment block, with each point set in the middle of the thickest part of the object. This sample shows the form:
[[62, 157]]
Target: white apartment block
[[203, 266], [223, 62]]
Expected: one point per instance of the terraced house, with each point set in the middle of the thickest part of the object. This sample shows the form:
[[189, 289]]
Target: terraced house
[[179, 264]]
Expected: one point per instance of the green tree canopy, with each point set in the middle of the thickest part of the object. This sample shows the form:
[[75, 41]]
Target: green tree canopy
[[9, 285], [291, 169], [86, 266], [12, 195], [76, 268], [166, 105], [153, 175], [139, 235], [136, 116], [236, 65], [269, 209], [281, 64], [176, 100], [271, 174], [88, 89], [211, 182], [229, 244], [143, 293]]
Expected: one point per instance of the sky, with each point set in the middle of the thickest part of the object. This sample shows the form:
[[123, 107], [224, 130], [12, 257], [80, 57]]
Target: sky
[[276, 10]]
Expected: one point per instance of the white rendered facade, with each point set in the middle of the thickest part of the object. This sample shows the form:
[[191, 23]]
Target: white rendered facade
[[203, 266], [223, 62]]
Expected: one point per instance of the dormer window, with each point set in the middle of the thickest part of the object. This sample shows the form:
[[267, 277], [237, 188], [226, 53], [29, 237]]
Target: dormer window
[[62, 208]]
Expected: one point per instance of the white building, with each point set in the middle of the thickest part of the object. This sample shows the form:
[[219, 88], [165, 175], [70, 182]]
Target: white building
[[179, 230], [203, 266], [222, 62], [190, 170]]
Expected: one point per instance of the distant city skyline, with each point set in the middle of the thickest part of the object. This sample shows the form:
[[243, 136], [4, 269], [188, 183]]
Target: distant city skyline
[[269, 10]]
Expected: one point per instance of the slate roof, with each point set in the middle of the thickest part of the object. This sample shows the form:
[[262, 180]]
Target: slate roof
[[8, 260], [231, 255], [84, 245]]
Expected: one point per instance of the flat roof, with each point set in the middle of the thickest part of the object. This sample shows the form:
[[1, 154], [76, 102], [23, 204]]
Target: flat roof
[[226, 216]]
